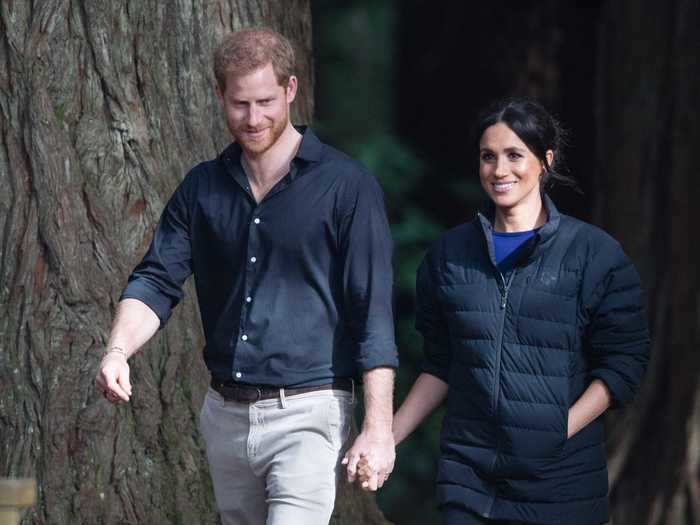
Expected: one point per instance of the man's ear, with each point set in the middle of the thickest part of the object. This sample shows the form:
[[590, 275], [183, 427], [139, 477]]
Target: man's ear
[[291, 90]]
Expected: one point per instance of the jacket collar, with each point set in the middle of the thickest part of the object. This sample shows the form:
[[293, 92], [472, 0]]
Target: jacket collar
[[537, 243]]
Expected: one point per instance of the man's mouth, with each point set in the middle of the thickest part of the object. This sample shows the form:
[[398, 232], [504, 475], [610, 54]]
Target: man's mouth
[[255, 134]]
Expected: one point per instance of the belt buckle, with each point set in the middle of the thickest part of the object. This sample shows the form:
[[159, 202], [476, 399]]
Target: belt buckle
[[248, 394]]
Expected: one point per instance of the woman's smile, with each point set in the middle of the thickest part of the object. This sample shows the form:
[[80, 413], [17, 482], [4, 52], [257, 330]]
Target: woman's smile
[[503, 187]]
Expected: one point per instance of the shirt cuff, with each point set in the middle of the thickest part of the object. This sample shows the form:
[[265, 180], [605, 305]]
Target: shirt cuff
[[142, 291], [369, 358]]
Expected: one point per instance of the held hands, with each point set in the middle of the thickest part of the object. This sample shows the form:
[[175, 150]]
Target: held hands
[[113, 377], [370, 460], [364, 474]]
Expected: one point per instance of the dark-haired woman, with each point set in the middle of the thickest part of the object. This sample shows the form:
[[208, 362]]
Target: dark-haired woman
[[533, 322]]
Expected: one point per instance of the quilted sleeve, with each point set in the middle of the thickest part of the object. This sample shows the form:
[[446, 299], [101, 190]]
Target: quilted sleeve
[[617, 335], [431, 323]]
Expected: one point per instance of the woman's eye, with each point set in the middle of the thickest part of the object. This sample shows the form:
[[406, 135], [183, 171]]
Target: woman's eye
[[486, 156], [514, 156]]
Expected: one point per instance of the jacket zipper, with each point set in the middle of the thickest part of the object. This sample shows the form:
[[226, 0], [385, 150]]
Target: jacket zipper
[[499, 350]]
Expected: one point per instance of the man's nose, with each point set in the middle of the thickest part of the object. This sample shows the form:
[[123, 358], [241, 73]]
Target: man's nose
[[254, 116]]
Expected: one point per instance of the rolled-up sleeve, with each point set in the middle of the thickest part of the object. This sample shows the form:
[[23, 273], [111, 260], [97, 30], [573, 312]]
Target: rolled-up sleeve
[[157, 280], [431, 323], [366, 247], [617, 336]]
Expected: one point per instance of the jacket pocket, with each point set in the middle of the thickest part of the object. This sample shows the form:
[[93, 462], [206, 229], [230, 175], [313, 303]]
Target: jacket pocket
[[532, 430]]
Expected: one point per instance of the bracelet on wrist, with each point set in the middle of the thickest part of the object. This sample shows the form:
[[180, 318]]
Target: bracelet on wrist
[[116, 350]]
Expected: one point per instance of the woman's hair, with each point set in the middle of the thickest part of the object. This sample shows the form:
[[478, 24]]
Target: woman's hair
[[539, 130]]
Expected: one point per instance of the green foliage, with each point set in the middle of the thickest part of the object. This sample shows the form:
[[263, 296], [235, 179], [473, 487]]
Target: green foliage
[[354, 51], [399, 172], [354, 47], [396, 166]]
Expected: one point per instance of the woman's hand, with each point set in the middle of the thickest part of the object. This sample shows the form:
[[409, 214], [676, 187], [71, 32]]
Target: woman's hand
[[364, 471], [593, 402]]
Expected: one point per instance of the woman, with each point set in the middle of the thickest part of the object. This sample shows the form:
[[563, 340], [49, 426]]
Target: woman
[[534, 323]]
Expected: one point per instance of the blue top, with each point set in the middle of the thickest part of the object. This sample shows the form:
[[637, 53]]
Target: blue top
[[505, 247], [293, 290]]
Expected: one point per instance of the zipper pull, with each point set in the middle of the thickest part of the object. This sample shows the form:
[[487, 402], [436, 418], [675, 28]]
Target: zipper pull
[[506, 288]]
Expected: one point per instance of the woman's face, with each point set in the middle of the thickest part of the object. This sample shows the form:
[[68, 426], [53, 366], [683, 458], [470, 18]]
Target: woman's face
[[509, 172]]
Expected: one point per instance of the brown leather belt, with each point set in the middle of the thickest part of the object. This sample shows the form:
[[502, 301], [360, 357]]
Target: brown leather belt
[[242, 393]]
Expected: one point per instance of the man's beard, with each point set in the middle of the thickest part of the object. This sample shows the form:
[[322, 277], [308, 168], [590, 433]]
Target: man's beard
[[258, 147]]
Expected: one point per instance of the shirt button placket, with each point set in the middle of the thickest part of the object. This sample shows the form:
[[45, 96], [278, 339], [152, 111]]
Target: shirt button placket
[[253, 259]]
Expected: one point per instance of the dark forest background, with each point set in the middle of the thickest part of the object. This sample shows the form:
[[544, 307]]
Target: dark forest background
[[399, 85], [104, 105]]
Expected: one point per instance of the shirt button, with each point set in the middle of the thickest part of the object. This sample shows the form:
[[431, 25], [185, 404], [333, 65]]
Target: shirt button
[[244, 337], [256, 220], [248, 299], [238, 375], [253, 259]]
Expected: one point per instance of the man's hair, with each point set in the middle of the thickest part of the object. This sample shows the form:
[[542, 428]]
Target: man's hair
[[251, 48]]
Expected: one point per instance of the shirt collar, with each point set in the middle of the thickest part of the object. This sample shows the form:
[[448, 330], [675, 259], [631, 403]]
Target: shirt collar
[[310, 147], [309, 150]]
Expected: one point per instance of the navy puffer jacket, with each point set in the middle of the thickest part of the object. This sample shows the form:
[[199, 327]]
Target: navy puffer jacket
[[517, 351]]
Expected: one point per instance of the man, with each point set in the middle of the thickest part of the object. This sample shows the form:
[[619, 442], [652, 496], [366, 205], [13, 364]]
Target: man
[[291, 253]]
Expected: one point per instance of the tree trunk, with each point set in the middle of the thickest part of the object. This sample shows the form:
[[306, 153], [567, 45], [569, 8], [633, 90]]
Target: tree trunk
[[648, 135], [103, 108]]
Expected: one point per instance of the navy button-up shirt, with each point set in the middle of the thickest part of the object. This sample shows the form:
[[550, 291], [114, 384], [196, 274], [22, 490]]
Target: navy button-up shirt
[[294, 290]]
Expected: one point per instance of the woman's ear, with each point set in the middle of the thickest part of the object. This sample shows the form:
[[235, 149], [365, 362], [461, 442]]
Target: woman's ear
[[550, 158]]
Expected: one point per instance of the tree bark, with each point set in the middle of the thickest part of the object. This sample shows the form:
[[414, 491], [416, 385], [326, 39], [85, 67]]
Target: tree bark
[[648, 134], [104, 106]]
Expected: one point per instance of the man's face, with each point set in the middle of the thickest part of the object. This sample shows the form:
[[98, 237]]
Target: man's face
[[256, 108]]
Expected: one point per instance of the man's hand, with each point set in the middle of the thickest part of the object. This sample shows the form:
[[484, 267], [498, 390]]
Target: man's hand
[[371, 459], [113, 377], [134, 324], [376, 441]]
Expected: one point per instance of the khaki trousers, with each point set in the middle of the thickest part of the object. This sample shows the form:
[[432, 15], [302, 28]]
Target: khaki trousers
[[276, 461]]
